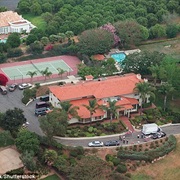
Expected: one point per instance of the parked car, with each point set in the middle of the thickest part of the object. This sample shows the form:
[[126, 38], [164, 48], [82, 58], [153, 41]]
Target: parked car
[[40, 111], [44, 98], [42, 104], [12, 87], [25, 86], [112, 143], [3, 90], [158, 135], [96, 144]]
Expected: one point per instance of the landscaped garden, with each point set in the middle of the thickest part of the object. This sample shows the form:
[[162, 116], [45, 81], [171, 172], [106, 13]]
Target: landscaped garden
[[97, 129]]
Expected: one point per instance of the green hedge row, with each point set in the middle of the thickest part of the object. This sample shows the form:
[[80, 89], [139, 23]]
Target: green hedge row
[[149, 155]]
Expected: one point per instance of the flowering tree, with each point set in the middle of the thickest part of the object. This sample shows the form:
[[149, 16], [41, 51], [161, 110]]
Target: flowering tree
[[110, 28]]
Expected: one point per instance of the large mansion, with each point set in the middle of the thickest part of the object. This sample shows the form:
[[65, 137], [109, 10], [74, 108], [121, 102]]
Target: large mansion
[[115, 88], [12, 22]]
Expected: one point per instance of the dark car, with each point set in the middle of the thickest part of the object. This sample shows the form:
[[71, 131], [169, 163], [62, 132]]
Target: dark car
[[112, 143], [158, 135], [12, 87]]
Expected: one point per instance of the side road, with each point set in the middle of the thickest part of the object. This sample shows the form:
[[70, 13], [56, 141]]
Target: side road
[[131, 138]]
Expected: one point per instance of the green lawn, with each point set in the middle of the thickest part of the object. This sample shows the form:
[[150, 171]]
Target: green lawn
[[52, 177], [141, 177], [35, 20]]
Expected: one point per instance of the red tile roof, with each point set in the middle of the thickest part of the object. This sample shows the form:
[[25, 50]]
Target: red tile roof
[[108, 87], [9, 16], [98, 57], [82, 111]]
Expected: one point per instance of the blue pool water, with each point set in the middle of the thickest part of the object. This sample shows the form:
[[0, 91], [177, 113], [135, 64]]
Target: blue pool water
[[3, 40], [118, 57]]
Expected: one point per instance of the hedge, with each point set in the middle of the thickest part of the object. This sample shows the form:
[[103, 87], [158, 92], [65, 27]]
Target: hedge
[[152, 154]]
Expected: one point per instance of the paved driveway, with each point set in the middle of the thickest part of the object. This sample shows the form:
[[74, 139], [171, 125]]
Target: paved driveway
[[12, 100]]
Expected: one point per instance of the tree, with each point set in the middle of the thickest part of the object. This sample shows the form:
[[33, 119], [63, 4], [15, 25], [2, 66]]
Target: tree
[[36, 9], [31, 74], [47, 17], [139, 63], [28, 161], [92, 107], [155, 72], [3, 58], [36, 48], [62, 37], [129, 32], [145, 90], [112, 108], [54, 123], [89, 167], [157, 31], [61, 72], [166, 89], [50, 156], [14, 40], [31, 39], [171, 30], [46, 73], [27, 141], [44, 40], [69, 34], [69, 108], [13, 119], [95, 41]]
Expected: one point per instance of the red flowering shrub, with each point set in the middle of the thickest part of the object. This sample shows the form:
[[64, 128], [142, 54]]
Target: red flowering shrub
[[49, 47]]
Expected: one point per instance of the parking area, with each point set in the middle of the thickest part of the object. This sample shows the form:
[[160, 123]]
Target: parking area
[[12, 100]]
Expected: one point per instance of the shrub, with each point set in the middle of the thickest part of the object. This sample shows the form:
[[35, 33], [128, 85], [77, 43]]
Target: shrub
[[121, 168], [49, 47], [116, 161], [16, 52], [109, 157], [73, 153], [37, 85], [128, 175]]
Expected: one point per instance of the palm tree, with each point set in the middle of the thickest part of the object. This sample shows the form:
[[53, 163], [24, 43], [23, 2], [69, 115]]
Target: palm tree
[[50, 156], [92, 107], [31, 74], [113, 108], [61, 72], [46, 73], [155, 72], [69, 108], [165, 89], [144, 89]]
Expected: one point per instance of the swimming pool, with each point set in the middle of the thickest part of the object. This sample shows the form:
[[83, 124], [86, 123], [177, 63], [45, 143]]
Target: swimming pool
[[118, 57], [3, 40]]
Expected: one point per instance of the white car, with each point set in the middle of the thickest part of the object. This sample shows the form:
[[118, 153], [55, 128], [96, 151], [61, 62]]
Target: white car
[[96, 144], [24, 86]]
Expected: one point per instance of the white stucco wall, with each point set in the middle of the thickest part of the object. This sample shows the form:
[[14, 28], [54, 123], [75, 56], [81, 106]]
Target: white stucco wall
[[54, 101]]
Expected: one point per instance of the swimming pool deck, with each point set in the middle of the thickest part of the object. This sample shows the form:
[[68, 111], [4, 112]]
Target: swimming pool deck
[[127, 52]]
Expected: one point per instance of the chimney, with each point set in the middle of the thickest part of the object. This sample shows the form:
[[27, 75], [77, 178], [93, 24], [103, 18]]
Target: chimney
[[138, 76], [89, 78]]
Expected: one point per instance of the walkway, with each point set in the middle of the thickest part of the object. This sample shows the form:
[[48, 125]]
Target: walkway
[[128, 124]]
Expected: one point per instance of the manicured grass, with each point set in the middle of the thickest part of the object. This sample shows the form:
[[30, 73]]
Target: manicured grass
[[52, 177], [167, 168], [35, 20]]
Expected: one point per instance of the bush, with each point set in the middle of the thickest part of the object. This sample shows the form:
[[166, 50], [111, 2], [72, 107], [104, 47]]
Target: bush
[[116, 161], [16, 52], [128, 175], [73, 153], [109, 157], [121, 168], [28, 94]]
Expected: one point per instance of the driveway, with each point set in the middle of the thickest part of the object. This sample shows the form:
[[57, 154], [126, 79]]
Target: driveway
[[12, 100], [131, 138]]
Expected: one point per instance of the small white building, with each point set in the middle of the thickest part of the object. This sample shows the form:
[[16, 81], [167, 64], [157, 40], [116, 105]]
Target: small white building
[[12, 22]]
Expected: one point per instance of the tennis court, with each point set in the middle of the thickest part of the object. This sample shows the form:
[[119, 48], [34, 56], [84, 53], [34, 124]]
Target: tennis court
[[18, 72]]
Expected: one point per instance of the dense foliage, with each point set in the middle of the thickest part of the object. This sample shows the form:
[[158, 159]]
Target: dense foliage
[[65, 15], [150, 155]]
